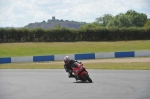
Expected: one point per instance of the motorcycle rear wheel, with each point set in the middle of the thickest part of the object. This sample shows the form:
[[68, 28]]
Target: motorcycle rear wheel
[[86, 76]]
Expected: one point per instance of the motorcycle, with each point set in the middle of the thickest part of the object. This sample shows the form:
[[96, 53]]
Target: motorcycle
[[80, 72]]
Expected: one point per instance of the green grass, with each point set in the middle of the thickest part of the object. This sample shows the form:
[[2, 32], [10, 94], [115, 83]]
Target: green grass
[[53, 48], [56, 65], [120, 66]]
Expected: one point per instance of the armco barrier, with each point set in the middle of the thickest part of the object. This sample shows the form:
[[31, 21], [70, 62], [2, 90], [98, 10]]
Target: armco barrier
[[43, 58], [84, 56], [22, 59], [76, 56], [124, 54], [5, 60]]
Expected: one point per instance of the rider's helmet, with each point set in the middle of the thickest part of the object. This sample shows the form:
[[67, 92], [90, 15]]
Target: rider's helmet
[[66, 59]]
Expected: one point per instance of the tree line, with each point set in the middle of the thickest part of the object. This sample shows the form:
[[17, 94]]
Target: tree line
[[129, 19], [64, 34], [124, 26]]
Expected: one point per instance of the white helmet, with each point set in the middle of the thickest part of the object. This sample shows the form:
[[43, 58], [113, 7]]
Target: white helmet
[[66, 59]]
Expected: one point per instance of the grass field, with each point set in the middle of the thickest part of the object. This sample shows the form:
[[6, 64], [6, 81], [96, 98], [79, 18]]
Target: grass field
[[52, 48]]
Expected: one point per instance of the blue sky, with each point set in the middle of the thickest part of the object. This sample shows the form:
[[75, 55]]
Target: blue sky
[[18, 13]]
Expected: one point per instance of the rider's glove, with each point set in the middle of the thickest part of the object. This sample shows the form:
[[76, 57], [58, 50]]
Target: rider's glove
[[80, 63]]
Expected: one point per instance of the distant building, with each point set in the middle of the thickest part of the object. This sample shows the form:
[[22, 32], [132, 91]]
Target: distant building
[[52, 23], [53, 18]]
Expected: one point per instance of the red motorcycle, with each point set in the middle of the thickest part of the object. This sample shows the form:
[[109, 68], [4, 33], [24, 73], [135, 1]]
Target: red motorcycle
[[80, 72]]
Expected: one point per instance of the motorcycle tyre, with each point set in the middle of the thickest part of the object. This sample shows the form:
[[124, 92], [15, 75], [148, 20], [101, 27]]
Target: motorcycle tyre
[[86, 76]]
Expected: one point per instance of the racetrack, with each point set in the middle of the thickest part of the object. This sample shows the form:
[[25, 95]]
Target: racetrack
[[54, 84]]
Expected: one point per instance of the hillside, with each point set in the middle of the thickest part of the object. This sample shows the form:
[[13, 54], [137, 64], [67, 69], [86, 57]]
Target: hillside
[[52, 23]]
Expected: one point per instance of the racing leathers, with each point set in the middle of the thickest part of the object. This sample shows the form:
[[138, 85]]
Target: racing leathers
[[69, 69]]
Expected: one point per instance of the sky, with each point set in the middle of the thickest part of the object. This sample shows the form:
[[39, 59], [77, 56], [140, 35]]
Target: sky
[[18, 13]]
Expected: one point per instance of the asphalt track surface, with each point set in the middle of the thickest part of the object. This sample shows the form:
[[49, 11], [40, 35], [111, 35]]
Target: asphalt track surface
[[54, 84]]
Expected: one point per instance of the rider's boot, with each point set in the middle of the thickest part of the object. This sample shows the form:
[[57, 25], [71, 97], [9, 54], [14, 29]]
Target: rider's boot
[[70, 75]]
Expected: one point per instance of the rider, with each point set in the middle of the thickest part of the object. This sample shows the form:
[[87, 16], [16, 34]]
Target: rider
[[68, 63]]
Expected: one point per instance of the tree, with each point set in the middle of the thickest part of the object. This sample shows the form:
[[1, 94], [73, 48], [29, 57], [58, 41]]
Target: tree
[[120, 20], [147, 24], [137, 19], [91, 25], [129, 19], [105, 19]]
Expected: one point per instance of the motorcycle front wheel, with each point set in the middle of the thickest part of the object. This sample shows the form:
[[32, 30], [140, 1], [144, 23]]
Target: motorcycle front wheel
[[86, 76]]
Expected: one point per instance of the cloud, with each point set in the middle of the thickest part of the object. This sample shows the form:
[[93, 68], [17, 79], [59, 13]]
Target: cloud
[[19, 13]]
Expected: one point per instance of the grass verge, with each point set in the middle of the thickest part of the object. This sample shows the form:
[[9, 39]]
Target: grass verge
[[53, 48]]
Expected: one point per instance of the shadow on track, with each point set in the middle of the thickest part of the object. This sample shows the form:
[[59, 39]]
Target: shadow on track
[[83, 82]]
